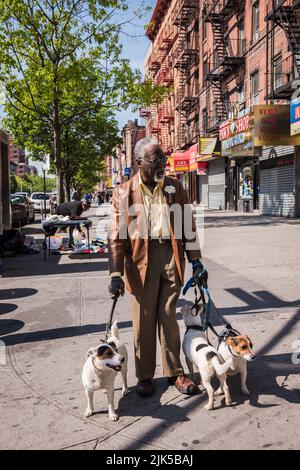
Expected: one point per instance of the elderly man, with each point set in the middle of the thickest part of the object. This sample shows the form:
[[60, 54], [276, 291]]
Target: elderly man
[[144, 242]]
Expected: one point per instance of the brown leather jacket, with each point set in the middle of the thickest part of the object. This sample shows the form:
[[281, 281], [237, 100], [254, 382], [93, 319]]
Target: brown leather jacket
[[128, 251]]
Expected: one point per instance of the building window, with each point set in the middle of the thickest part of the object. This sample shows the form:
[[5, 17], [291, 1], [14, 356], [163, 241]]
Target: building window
[[205, 67], [242, 40], [255, 21], [255, 88], [241, 94], [204, 120], [278, 82], [204, 31]]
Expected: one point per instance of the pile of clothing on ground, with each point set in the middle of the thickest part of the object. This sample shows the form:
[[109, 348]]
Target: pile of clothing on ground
[[17, 242], [97, 246]]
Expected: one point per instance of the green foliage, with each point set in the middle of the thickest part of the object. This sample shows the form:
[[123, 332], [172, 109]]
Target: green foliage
[[60, 63], [30, 184]]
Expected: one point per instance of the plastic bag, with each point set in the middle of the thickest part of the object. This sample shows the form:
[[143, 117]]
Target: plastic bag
[[55, 243], [77, 237]]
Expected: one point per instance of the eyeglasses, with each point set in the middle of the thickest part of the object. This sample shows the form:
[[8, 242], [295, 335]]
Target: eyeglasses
[[156, 161]]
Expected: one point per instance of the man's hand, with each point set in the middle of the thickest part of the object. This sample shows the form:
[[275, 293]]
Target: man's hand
[[199, 272], [116, 286]]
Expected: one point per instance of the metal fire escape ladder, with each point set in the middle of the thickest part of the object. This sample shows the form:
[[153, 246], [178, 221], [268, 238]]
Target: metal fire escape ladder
[[288, 18], [184, 57], [222, 63]]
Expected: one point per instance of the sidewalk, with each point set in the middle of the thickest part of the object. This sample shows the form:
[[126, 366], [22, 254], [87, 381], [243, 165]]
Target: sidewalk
[[52, 313]]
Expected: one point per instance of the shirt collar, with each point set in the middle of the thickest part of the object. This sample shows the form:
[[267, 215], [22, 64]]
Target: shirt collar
[[142, 184]]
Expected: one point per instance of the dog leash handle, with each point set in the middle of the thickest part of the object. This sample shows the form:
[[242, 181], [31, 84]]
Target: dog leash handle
[[108, 327]]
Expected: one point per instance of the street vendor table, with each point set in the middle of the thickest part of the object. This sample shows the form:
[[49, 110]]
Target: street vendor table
[[50, 228]]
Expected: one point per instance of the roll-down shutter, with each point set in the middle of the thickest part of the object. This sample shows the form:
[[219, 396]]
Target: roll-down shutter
[[216, 184], [276, 196]]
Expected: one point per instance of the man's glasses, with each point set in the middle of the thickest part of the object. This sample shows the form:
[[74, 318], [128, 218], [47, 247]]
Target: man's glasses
[[156, 161]]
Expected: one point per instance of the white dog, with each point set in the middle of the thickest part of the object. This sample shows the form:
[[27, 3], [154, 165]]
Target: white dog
[[100, 369], [239, 348], [205, 357]]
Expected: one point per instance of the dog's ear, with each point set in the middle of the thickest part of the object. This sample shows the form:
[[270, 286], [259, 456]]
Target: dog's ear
[[185, 309], [113, 345], [231, 341], [91, 352]]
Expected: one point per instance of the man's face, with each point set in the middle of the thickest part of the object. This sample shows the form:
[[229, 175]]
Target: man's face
[[152, 167]]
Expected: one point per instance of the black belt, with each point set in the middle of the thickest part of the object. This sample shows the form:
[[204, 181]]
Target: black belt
[[160, 241]]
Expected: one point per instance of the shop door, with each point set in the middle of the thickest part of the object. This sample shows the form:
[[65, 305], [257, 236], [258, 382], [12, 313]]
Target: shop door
[[203, 190], [231, 189]]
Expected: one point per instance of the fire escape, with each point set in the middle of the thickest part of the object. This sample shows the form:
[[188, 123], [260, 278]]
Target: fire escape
[[185, 55], [165, 77], [280, 75], [224, 60]]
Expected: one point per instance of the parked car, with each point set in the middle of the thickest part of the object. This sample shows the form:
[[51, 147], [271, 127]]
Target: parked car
[[38, 201], [20, 193], [22, 210]]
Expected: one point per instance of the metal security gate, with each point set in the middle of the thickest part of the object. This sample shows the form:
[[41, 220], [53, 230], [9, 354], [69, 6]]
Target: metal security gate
[[277, 191], [203, 190], [216, 184]]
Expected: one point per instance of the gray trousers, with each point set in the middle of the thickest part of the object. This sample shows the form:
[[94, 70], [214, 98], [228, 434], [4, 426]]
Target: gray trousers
[[155, 311]]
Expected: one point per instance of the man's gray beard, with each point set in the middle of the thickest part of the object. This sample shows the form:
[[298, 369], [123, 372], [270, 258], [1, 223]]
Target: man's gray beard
[[157, 178]]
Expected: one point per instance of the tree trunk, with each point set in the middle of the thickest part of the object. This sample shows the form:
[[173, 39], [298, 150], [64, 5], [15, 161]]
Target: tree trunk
[[57, 141]]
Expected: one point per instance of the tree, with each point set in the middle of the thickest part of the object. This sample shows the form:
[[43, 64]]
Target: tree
[[61, 60]]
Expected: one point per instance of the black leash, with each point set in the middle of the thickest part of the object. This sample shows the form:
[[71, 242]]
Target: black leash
[[108, 326]]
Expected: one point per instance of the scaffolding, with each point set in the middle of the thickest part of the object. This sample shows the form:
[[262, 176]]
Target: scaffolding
[[227, 58], [280, 75]]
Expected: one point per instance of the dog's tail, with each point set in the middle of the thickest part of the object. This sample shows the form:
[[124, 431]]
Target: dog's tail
[[219, 367], [115, 330]]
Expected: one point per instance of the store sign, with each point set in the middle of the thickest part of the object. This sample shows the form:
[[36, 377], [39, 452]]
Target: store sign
[[192, 155], [207, 145], [181, 162], [127, 171], [236, 136], [272, 125], [202, 168], [295, 116]]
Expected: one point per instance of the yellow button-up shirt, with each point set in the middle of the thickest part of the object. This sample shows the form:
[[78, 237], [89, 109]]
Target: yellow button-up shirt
[[156, 210]]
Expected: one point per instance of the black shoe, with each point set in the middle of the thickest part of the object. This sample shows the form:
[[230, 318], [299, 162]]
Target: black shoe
[[146, 388], [184, 384]]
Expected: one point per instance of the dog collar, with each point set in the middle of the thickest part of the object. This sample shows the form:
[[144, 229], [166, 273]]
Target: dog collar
[[194, 327], [230, 350], [99, 370]]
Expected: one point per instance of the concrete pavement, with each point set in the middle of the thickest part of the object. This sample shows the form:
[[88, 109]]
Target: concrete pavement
[[51, 313]]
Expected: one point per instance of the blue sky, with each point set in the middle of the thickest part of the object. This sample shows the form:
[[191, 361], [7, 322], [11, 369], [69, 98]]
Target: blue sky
[[135, 48]]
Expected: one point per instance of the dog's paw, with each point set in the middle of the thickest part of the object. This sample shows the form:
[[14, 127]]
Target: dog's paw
[[124, 392], [88, 413], [113, 417], [228, 403], [246, 392], [208, 407]]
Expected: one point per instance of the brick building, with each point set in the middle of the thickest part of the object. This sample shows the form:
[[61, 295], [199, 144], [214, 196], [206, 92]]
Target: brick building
[[18, 159], [132, 132], [224, 61]]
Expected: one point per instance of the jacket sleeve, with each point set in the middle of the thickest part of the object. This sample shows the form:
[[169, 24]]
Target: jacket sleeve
[[117, 234], [190, 238]]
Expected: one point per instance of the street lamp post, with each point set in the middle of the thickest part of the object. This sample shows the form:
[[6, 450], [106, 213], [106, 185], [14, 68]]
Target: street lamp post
[[44, 175]]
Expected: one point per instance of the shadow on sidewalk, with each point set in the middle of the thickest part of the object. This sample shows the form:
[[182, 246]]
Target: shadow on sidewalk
[[218, 220]]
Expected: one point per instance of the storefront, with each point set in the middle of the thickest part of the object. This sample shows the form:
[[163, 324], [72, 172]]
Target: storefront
[[212, 180], [242, 172]]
